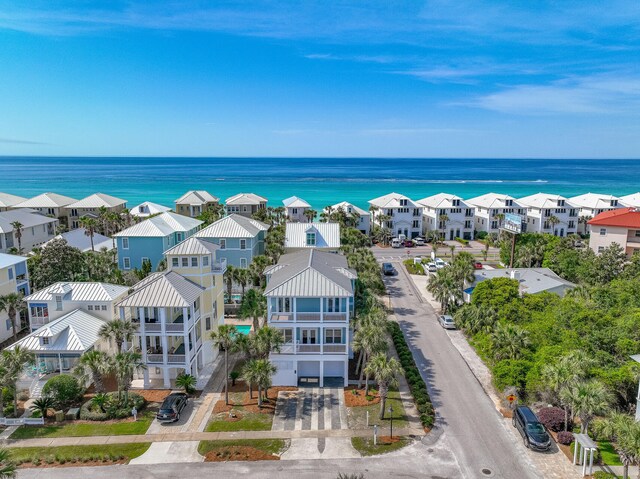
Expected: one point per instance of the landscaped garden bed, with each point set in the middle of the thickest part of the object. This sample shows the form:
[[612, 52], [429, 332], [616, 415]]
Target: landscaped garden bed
[[242, 450], [366, 447], [357, 416], [354, 397], [69, 456]]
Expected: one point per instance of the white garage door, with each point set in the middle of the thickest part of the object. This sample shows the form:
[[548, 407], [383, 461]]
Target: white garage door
[[334, 369], [309, 369], [285, 374]]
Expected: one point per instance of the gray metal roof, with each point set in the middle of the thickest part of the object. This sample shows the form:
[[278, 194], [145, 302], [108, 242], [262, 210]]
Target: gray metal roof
[[163, 290], [46, 200], [7, 260], [197, 197], [295, 202], [78, 239], [346, 206], [162, 225], [193, 246], [27, 217], [327, 235], [76, 331], [232, 226], [8, 200], [532, 280], [310, 273], [148, 208], [80, 292], [97, 200], [392, 200], [245, 199]]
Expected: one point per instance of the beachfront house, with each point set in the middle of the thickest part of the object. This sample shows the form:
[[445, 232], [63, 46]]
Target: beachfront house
[[361, 218], [91, 207], [552, 214], [621, 226], [310, 300], [240, 239], [25, 229], [448, 216], [398, 213], [79, 238], [146, 209], [490, 211], [632, 200], [295, 209], [590, 205], [8, 201], [14, 278], [52, 205], [176, 311], [245, 204], [194, 203], [150, 238], [323, 236]]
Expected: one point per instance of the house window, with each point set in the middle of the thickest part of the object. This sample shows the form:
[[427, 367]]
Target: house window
[[603, 231], [207, 323], [205, 261], [39, 311], [144, 259], [90, 307], [194, 262], [174, 262], [287, 335], [309, 336], [58, 303], [185, 262], [45, 341], [284, 305], [126, 263], [494, 225], [215, 308], [243, 244], [125, 243], [294, 211], [103, 307], [637, 233], [415, 224], [243, 262], [600, 249], [8, 324], [179, 236], [311, 239], [403, 202], [10, 273], [333, 336], [223, 244], [333, 305]]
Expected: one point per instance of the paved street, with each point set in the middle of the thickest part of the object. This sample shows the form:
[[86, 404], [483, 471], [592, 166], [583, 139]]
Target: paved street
[[474, 429]]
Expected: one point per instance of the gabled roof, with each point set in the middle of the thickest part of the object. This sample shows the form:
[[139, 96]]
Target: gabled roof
[[76, 331], [245, 199], [492, 200], [161, 225], [197, 197], [78, 239], [46, 200], [631, 200], [148, 209], [310, 273], [345, 205], [532, 280], [295, 202], [392, 200], [163, 290], [542, 200], [193, 246], [7, 260], [441, 200], [8, 200], [327, 235], [622, 217], [27, 217], [593, 200], [232, 226], [98, 200], [80, 292]]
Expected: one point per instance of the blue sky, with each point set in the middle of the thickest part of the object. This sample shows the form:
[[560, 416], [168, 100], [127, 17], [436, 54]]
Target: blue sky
[[321, 78]]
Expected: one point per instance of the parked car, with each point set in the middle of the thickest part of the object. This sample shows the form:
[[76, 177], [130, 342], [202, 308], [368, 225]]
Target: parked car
[[477, 265], [408, 243], [446, 321], [418, 241], [395, 243], [440, 263], [531, 429], [431, 267], [171, 407], [388, 269]]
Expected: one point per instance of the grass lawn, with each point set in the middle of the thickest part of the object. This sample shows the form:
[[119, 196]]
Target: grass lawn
[[358, 415], [608, 454], [250, 421], [364, 445], [242, 449], [78, 453], [87, 428]]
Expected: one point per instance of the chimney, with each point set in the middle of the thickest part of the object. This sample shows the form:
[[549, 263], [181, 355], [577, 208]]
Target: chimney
[[513, 274]]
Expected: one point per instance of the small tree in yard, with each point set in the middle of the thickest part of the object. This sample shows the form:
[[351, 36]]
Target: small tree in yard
[[43, 405], [12, 363], [7, 466], [225, 337], [385, 371], [13, 304], [187, 382], [92, 366], [64, 390], [254, 306], [124, 366]]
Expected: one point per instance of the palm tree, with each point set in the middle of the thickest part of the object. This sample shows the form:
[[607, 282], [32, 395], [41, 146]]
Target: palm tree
[[463, 269], [619, 429], [250, 375], [485, 251], [90, 226], [186, 382], [266, 340], [254, 305], [385, 371], [509, 341], [475, 319], [587, 399], [43, 405], [125, 365], [257, 267], [100, 400], [445, 288], [368, 340], [499, 217], [119, 331], [7, 466], [553, 221], [225, 337], [229, 276], [242, 277], [310, 215], [14, 361], [93, 365], [443, 219], [17, 232], [264, 370], [452, 249], [13, 303]]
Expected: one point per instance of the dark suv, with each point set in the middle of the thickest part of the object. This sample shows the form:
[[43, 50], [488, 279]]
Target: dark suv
[[171, 407], [387, 269], [532, 431]]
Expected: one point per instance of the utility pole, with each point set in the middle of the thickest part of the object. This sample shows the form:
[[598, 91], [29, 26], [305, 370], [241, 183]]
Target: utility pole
[[513, 249]]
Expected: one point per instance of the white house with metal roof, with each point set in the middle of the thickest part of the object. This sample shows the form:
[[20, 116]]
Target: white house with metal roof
[[324, 236], [194, 203], [295, 209], [361, 218], [91, 206], [552, 214], [8, 201], [245, 204], [146, 209], [36, 229], [50, 204], [592, 204], [531, 280], [14, 278], [398, 213], [449, 215], [149, 239], [491, 208], [310, 299], [632, 200], [240, 238], [79, 238]]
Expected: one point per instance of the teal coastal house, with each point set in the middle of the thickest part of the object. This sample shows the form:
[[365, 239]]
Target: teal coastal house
[[240, 239], [150, 238]]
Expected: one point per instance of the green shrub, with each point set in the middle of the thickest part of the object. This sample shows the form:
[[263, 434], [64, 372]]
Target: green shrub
[[603, 475], [65, 390], [481, 235], [463, 241], [510, 372], [114, 410]]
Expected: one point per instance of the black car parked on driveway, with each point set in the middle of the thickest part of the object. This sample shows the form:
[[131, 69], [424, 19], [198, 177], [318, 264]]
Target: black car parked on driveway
[[171, 407], [531, 429]]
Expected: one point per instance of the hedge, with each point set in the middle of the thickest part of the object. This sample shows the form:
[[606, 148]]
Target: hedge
[[413, 268], [87, 414], [462, 241], [412, 374]]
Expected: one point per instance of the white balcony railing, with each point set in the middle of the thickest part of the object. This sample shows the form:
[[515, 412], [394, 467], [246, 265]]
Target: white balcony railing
[[334, 348], [281, 317], [309, 348], [176, 358], [335, 316], [219, 267], [308, 316]]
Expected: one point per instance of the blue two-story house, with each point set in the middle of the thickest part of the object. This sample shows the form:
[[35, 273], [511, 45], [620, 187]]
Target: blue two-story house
[[240, 239], [150, 238], [14, 278]]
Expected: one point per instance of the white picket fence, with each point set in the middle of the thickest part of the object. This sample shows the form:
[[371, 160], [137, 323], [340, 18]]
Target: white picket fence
[[19, 421]]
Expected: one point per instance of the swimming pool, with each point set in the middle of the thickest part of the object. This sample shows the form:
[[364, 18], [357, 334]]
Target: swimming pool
[[243, 329]]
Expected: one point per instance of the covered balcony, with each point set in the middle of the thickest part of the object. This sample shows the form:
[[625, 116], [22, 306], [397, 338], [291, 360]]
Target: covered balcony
[[319, 310]]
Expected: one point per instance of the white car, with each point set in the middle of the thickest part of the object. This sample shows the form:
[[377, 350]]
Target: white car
[[446, 321], [418, 241], [440, 263], [431, 267]]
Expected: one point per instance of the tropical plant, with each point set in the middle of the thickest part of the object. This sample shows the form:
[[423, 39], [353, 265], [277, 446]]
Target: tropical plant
[[186, 382], [553, 221], [229, 276], [385, 371], [443, 219], [7, 466], [445, 288], [100, 401], [13, 303], [13, 362], [43, 404], [64, 390], [620, 429], [17, 232], [509, 341], [225, 337], [92, 366], [310, 215], [118, 331], [587, 399], [254, 306], [125, 365], [90, 226], [267, 340], [368, 340], [263, 372]]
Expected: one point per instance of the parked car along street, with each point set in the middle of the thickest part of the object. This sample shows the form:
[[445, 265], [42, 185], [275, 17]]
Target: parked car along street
[[531, 429], [446, 321], [171, 407]]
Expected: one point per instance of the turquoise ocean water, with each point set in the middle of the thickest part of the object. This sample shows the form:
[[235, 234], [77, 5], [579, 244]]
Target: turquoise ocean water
[[319, 181]]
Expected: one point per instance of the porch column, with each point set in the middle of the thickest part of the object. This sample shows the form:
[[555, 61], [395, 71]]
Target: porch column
[[321, 309], [122, 315], [143, 346], [165, 378], [321, 373], [295, 310], [346, 373], [145, 376], [163, 336], [60, 362]]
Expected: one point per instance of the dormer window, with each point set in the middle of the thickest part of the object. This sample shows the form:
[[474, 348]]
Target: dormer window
[[560, 202], [44, 341], [311, 239], [403, 202], [508, 203], [614, 202], [456, 202], [58, 303]]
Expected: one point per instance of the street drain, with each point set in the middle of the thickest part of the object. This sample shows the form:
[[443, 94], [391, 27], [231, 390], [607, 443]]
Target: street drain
[[486, 472]]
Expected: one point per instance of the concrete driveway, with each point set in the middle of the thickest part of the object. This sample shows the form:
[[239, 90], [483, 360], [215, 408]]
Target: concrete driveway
[[186, 416]]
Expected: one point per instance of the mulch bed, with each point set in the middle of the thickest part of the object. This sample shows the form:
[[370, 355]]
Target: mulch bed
[[354, 397], [29, 465], [385, 440], [153, 395], [238, 453], [251, 405]]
